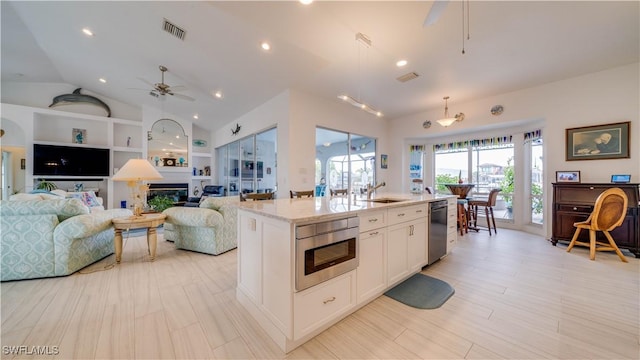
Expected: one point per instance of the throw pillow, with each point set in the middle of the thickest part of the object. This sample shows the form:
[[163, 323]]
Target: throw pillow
[[87, 197]]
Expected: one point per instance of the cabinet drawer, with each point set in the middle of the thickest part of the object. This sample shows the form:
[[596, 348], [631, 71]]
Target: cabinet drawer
[[322, 303], [372, 220], [575, 208], [408, 213]]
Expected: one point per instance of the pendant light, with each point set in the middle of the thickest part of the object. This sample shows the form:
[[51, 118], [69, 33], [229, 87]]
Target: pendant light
[[448, 120]]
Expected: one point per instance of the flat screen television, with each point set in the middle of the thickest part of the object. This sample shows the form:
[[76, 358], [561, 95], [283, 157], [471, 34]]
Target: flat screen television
[[49, 160]]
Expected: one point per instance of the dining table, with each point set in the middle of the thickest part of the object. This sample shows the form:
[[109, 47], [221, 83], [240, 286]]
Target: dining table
[[461, 190]]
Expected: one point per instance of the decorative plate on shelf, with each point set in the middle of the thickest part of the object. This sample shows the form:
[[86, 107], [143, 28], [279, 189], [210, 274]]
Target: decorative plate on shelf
[[199, 143], [497, 110]]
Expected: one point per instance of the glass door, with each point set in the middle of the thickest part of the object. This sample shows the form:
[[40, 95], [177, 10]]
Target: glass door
[[266, 161]]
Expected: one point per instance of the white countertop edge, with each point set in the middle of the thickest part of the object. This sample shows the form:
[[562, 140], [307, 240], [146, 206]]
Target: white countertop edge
[[326, 208]]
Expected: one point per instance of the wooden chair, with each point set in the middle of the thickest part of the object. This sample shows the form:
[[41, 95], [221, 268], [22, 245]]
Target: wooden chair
[[338, 192], [300, 194], [463, 221], [608, 213], [256, 197], [488, 205]]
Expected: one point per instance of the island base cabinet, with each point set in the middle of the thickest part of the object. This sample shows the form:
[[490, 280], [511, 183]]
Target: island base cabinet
[[417, 244], [250, 257], [322, 304], [452, 224], [397, 253], [371, 272], [264, 272]]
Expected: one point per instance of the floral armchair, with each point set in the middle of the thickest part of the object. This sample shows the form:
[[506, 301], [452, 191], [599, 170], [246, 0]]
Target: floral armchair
[[210, 228]]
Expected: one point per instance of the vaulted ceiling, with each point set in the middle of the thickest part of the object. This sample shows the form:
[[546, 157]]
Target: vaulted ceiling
[[512, 45]]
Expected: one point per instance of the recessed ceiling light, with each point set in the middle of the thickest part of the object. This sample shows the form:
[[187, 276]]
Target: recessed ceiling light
[[265, 46], [305, 2], [87, 32], [102, 80], [195, 116], [218, 94], [401, 63]]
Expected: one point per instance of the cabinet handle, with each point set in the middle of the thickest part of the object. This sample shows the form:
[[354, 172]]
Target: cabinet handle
[[591, 187], [419, 211], [333, 298], [373, 233], [575, 208], [373, 220], [401, 214]]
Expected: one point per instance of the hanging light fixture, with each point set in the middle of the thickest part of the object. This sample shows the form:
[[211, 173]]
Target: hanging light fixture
[[365, 42], [448, 120]]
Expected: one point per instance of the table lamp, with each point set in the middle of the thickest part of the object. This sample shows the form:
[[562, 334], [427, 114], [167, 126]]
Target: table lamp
[[134, 172]]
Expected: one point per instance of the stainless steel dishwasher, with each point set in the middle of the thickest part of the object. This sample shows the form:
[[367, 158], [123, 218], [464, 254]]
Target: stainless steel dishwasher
[[437, 230]]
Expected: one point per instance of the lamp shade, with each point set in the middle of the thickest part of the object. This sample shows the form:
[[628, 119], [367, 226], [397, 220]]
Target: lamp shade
[[446, 121], [135, 170]]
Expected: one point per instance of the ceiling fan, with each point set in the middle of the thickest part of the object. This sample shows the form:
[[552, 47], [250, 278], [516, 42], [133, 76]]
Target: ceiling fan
[[437, 8], [161, 89]]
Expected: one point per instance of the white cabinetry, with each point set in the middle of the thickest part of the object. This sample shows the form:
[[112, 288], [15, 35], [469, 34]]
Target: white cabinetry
[[392, 246], [417, 244], [372, 278], [407, 242], [52, 127], [322, 303], [452, 223]]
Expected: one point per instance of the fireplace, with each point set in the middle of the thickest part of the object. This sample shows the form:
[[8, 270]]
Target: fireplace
[[179, 192]]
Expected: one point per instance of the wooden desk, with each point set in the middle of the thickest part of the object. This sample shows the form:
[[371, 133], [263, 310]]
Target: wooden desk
[[573, 202], [148, 221], [462, 190]]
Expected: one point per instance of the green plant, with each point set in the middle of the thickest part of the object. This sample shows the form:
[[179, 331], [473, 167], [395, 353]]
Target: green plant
[[46, 185], [442, 179], [507, 189], [160, 203]]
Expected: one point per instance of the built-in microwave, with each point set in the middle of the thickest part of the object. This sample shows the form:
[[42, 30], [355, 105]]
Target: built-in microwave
[[325, 250]]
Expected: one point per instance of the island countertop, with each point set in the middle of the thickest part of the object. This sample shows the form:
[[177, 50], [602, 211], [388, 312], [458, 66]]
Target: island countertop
[[316, 208]]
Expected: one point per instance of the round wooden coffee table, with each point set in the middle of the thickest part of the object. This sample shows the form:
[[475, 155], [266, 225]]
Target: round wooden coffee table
[[148, 221]]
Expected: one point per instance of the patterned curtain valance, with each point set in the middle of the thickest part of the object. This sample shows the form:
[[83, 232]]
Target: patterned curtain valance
[[461, 145], [457, 145], [532, 135], [416, 148]]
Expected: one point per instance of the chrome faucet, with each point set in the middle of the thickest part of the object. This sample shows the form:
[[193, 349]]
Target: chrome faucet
[[371, 189]]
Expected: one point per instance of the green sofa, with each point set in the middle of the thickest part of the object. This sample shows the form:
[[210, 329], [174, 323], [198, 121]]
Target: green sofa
[[47, 238], [210, 228]]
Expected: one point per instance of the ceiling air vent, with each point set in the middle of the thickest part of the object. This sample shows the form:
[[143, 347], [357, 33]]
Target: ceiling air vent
[[173, 29], [406, 77]]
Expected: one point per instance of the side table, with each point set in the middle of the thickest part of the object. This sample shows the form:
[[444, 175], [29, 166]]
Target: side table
[[148, 221]]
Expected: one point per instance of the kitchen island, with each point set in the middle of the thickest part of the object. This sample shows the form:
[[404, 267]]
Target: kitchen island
[[390, 244]]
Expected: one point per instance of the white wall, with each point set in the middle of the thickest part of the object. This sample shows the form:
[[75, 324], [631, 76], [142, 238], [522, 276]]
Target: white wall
[[599, 98], [297, 114]]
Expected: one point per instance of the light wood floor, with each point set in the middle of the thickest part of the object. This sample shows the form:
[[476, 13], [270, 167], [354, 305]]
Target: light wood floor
[[516, 297]]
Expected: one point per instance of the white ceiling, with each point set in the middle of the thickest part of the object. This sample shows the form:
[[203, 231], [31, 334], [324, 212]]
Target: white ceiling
[[512, 45]]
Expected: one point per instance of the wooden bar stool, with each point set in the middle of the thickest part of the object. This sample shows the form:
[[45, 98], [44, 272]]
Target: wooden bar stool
[[463, 222], [488, 205]]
